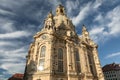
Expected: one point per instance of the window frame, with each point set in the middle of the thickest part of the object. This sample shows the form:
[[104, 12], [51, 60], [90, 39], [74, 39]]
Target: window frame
[[60, 60]]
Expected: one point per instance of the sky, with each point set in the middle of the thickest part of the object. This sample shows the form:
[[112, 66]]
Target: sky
[[20, 20]]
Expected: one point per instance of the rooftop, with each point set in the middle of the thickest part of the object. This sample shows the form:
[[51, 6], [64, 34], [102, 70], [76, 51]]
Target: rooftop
[[111, 67], [17, 76]]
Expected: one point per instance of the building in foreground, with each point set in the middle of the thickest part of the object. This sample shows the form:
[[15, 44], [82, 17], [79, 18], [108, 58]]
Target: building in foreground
[[58, 53], [111, 71]]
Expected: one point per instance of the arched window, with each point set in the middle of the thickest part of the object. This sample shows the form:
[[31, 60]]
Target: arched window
[[60, 60], [42, 58], [42, 52]]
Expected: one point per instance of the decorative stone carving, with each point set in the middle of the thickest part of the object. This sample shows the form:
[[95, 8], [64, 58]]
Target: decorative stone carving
[[59, 33], [31, 66], [49, 22]]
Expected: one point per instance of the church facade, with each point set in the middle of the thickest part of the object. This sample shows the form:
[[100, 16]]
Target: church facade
[[58, 53]]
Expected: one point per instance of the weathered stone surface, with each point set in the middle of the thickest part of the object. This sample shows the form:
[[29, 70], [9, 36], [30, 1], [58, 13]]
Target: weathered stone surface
[[58, 53]]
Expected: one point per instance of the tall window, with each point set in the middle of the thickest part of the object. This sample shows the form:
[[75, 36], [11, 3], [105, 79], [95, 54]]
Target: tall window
[[60, 60], [77, 61], [90, 63], [42, 58], [77, 55]]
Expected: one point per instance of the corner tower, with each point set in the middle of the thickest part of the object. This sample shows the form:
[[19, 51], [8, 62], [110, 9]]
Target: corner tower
[[58, 53]]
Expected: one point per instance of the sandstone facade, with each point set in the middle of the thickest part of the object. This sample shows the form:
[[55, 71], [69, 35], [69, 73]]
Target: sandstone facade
[[58, 53]]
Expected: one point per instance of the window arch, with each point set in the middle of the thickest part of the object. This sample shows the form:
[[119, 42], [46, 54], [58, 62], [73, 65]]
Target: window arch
[[60, 53], [43, 51], [60, 60]]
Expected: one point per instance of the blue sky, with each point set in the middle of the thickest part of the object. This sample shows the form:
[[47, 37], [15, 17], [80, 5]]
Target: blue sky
[[21, 19]]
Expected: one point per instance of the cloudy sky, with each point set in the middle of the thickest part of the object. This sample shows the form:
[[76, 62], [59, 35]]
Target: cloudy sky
[[21, 19]]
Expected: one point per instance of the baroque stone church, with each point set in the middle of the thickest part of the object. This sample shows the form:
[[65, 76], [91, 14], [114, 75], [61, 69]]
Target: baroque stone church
[[58, 53]]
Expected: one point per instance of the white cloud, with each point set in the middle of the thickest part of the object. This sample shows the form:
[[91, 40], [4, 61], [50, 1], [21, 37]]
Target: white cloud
[[13, 60], [14, 53], [5, 12], [97, 30], [70, 5], [86, 10], [97, 3], [12, 4], [114, 25], [6, 25], [13, 68], [109, 25], [82, 14], [113, 55], [16, 34], [4, 43], [98, 18]]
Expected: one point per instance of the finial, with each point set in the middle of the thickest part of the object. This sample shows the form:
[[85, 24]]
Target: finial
[[50, 15], [60, 10], [84, 28], [50, 11], [60, 5], [83, 25]]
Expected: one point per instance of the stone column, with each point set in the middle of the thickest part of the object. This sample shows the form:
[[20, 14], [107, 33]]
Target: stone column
[[35, 51], [97, 64], [48, 57], [86, 58], [83, 62], [69, 65], [72, 58]]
